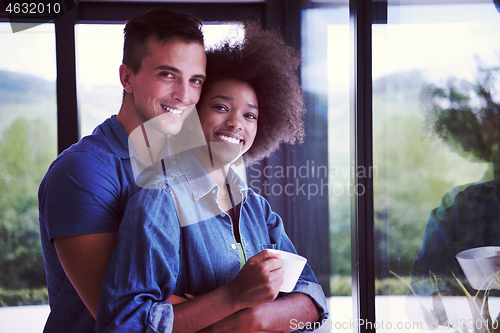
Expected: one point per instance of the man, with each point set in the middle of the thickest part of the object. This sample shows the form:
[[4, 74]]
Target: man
[[83, 195]]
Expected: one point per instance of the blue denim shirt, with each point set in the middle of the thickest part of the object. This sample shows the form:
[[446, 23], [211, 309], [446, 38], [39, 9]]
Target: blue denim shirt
[[175, 239]]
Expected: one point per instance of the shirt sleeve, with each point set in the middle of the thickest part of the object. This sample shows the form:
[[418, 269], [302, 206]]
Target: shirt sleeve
[[79, 195], [143, 268], [307, 283]]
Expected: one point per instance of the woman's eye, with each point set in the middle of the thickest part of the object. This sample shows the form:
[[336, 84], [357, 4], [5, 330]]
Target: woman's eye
[[222, 108], [251, 116]]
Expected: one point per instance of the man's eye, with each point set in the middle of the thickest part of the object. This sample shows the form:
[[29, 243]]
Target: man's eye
[[197, 81], [166, 74]]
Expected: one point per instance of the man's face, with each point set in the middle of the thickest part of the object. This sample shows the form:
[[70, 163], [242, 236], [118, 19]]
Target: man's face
[[168, 84]]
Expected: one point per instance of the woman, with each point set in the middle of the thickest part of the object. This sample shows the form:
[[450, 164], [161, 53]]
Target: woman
[[211, 247]]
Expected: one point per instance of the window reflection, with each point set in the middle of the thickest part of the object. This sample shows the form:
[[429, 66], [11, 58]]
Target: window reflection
[[435, 104], [325, 79]]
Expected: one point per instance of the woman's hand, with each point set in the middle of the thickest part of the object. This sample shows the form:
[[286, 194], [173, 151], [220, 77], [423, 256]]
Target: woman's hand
[[259, 280], [257, 283]]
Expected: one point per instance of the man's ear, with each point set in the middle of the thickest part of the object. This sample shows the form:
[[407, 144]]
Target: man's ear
[[125, 75]]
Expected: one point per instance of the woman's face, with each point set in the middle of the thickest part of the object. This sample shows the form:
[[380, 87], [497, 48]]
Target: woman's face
[[228, 114]]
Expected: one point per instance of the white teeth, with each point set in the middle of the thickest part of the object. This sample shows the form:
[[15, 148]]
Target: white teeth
[[174, 111], [229, 139]]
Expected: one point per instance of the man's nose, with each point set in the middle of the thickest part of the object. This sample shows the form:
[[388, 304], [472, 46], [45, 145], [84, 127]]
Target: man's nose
[[181, 92]]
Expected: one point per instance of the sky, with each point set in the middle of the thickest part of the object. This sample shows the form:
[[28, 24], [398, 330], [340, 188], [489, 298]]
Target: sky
[[439, 40], [99, 50]]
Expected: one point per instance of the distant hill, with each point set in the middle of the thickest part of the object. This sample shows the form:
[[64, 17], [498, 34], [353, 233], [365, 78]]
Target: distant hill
[[21, 88], [406, 83], [31, 97], [26, 96]]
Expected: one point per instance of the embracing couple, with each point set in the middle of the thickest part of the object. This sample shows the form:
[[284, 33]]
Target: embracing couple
[[145, 227]]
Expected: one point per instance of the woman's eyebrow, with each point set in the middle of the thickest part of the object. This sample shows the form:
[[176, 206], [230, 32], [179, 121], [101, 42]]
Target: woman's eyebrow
[[226, 98], [229, 98]]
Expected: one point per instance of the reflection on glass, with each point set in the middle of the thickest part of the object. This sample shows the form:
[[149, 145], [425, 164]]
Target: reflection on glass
[[99, 50], [436, 103], [27, 147], [325, 79]]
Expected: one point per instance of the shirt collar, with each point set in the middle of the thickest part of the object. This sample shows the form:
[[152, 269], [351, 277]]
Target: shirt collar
[[114, 131], [200, 182]]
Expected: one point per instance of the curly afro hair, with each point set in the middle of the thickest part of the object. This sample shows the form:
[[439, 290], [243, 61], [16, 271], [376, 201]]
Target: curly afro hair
[[269, 66]]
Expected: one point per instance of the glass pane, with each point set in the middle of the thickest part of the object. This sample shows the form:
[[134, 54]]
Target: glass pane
[[28, 135], [99, 51], [435, 134], [325, 79]]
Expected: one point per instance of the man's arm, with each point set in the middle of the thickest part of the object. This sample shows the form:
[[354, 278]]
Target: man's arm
[[84, 259]]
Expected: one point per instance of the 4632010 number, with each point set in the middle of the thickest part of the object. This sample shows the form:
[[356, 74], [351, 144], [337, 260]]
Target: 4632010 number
[[33, 8]]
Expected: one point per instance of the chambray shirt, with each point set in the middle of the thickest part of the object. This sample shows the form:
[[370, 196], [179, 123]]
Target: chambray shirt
[[175, 239]]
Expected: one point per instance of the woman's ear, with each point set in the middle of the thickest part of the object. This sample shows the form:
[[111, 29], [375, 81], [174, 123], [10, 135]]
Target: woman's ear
[[125, 75]]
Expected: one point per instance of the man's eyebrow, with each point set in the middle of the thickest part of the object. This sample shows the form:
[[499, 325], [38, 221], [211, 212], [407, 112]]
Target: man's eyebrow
[[177, 71], [168, 68], [200, 76], [229, 98]]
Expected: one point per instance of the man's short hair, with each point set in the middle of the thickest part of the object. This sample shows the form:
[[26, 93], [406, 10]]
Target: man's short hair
[[163, 25]]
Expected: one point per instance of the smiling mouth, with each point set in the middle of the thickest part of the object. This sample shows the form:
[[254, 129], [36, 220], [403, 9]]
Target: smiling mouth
[[230, 139], [173, 111]]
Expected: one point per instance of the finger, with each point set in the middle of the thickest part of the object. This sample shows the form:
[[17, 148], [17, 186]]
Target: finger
[[265, 255], [272, 264], [276, 274]]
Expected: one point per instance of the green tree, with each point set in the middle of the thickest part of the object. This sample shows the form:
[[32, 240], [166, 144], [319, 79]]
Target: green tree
[[414, 171], [26, 150]]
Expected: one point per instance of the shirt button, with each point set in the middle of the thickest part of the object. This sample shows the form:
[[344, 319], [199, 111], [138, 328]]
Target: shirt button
[[222, 214], [233, 246], [214, 191]]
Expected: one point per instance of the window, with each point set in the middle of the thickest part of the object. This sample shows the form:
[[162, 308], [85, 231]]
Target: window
[[429, 124], [325, 79], [27, 147], [433, 68]]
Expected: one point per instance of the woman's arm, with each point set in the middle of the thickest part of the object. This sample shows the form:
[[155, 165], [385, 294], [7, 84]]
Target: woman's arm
[[257, 283]]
